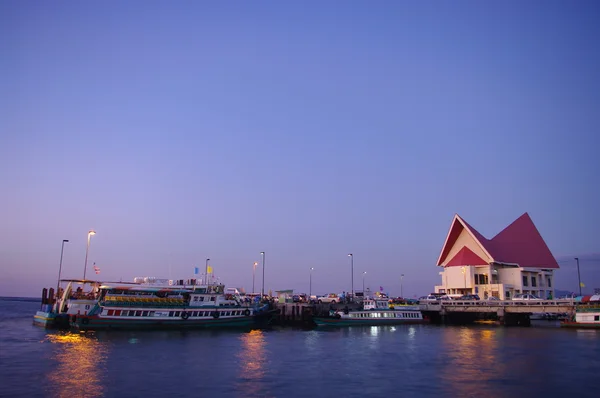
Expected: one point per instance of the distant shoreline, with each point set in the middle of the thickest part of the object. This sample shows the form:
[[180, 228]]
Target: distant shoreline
[[9, 298]]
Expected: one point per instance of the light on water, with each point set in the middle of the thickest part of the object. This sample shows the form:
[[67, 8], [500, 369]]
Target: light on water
[[78, 360], [430, 361]]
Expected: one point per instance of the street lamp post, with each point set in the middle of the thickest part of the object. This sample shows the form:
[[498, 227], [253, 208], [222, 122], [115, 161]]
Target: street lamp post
[[578, 275], [87, 249], [352, 270], [206, 270], [310, 284], [364, 273], [62, 248], [464, 272], [401, 277], [253, 275], [262, 290]]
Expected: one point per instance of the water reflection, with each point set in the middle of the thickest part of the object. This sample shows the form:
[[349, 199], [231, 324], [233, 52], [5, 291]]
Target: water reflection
[[252, 360], [587, 334], [80, 362], [470, 361]]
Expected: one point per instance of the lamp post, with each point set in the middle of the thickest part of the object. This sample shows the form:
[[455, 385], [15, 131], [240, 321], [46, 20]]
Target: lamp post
[[464, 272], [62, 248], [262, 290], [87, 249], [310, 284], [253, 275], [352, 268], [401, 277], [206, 270], [578, 275], [364, 273]]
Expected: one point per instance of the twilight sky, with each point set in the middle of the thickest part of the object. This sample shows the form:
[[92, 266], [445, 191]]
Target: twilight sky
[[188, 130]]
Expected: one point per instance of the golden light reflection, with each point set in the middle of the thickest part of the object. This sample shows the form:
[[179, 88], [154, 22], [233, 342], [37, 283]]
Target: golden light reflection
[[80, 360], [470, 360], [253, 358]]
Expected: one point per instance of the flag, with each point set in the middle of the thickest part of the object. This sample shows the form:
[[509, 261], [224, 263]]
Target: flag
[[209, 269], [96, 269], [381, 288], [196, 270]]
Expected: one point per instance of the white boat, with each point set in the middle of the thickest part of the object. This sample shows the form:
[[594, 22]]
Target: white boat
[[176, 305], [78, 297], [373, 312], [587, 314]]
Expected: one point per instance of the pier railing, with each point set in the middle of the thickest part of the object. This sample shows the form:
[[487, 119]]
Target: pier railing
[[553, 306]]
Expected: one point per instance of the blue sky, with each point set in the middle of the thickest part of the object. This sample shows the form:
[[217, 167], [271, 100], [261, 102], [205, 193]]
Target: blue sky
[[307, 130]]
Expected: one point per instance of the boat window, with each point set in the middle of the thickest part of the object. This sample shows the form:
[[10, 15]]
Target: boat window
[[170, 313], [597, 318], [111, 312], [151, 313], [117, 312], [138, 313], [177, 313], [213, 298], [195, 298], [145, 313]]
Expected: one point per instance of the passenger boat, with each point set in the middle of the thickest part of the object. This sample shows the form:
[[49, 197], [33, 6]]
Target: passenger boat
[[78, 297], [157, 305], [374, 312], [587, 314]]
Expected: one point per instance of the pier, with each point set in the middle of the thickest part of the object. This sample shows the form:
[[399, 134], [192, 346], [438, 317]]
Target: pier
[[508, 313]]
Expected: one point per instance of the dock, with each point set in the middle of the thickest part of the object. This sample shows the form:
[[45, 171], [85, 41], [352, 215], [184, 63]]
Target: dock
[[507, 312]]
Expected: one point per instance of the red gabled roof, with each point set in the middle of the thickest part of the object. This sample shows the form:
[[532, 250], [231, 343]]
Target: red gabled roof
[[519, 243], [522, 243], [458, 225], [465, 256]]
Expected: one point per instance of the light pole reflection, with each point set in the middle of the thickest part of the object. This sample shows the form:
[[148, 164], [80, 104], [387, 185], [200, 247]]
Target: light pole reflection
[[253, 364]]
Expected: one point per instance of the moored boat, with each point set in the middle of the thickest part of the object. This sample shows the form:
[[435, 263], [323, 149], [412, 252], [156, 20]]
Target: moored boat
[[158, 305], [78, 297], [373, 312], [587, 314]]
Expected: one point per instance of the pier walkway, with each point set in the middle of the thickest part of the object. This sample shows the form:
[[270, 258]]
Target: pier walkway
[[501, 307]]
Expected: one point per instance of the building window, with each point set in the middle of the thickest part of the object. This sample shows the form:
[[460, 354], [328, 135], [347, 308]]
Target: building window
[[525, 280], [534, 281], [549, 282]]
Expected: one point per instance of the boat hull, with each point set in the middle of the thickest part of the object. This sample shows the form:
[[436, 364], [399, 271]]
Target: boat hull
[[580, 325], [51, 320], [332, 321], [96, 322]]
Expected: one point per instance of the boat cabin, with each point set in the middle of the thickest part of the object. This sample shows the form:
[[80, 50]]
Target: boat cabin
[[375, 304]]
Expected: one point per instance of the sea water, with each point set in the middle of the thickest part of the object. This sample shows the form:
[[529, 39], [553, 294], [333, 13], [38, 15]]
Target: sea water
[[386, 361]]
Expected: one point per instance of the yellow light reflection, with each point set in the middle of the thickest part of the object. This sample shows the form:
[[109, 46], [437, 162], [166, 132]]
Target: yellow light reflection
[[80, 359], [470, 360], [253, 360]]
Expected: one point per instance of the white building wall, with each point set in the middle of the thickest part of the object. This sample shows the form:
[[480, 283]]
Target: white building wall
[[511, 276]]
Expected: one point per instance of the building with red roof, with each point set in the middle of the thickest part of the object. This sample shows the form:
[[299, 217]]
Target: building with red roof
[[516, 260]]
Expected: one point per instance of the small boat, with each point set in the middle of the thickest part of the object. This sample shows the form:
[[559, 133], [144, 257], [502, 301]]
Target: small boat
[[374, 312], [587, 314], [158, 305], [78, 297]]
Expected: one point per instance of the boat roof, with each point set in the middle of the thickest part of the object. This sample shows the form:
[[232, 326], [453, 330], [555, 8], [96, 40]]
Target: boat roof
[[93, 281]]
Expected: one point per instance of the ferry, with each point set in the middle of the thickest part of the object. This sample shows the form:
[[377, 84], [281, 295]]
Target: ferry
[[79, 297], [374, 312], [155, 304], [587, 314]]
